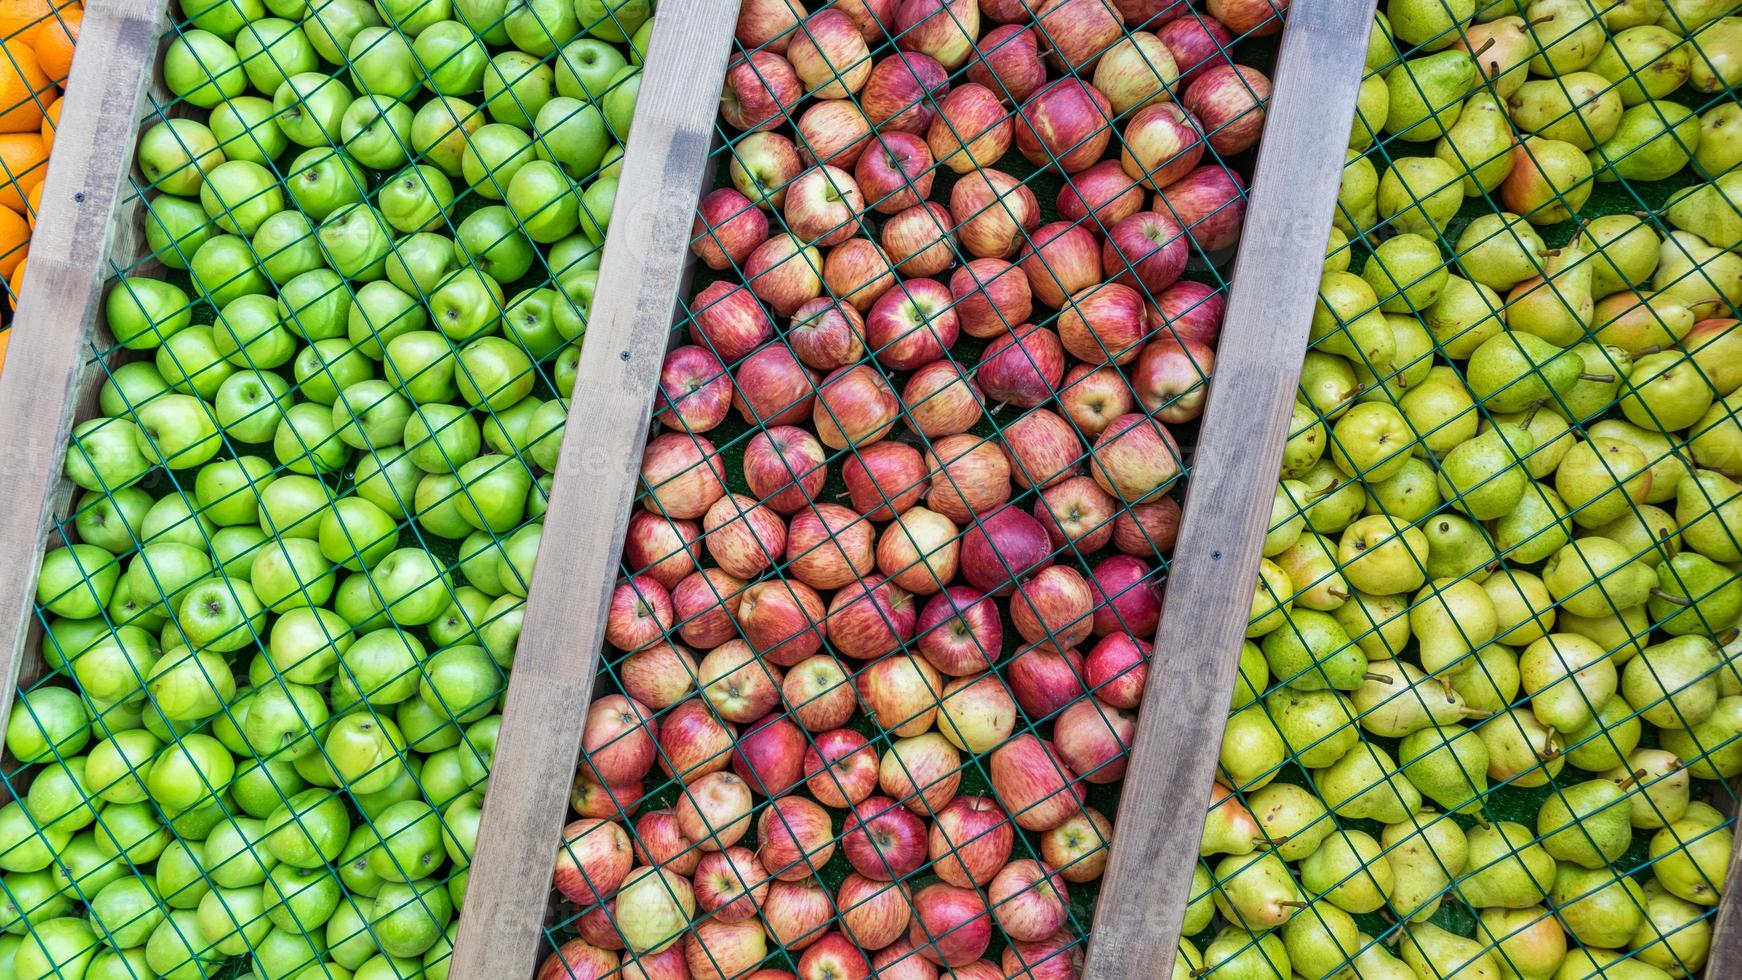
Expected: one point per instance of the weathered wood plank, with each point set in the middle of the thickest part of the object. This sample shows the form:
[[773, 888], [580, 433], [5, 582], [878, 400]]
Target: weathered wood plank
[[645, 265], [1275, 282]]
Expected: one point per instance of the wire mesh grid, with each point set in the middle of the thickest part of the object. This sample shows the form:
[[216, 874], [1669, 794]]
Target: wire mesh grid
[[1486, 725], [277, 621], [873, 657]]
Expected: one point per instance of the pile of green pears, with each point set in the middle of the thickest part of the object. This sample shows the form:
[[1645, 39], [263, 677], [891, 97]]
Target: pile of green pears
[[1489, 693]]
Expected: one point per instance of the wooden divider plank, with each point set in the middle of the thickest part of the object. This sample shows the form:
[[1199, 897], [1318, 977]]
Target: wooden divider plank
[[1197, 646], [645, 266], [46, 378]]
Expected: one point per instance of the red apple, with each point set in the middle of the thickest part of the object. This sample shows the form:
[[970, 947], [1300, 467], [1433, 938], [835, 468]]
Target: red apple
[[1151, 14], [898, 97], [1147, 530], [714, 810], [1229, 102], [1066, 125], [1210, 204], [901, 693], [826, 334], [1007, 61], [1162, 143], [1136, 71], [640, 613], [979, 970], [1127, 596], [950, 924], [968, 475], [1008, 11], [873, 913], [598, 925], [1192, 310], [870, 617], [728, 321], [662, 549], [1104, 191], [921, 773], [829, 546], [1117, 669], [1062, 259], [1080, 846], [785, 273], [1077, 514], [692, 742], [1093, 738], [659, 675], [1146, 250], [855, 407], [742, 536], [818, 693], [795, 838], [943, 29], [829, 55], [941, 399], [618, 741], [884, 479], [1057, 957], [1003, 547], [738, 683], [1033, 784], [900, 961], [770, 755], [960, 632], [833, 132], [768, 23], [977, 713], [682, 475], [882, 840], [1105, 322], [970, 840], [786, 467], [1029, 901], [920, 240], [728, 227], [834, 957], [918, 551], [823, 205], [1093, 397], [796, 913], [972, 129], [760, 90], [695, 392], [719, 950], [706, 605], [592, 861], [782, 619], [660, 843], [1257, 17], [771, 387], [840, 768], [1054, 610], [895, 172], [590, 798], [912, 324], [761, 168], [1134, 458], [1078, 32], [730, 884], [1022, 367], [876, 18], [1043, 449], [1045, 680], [858, 272], [993, 212], [578, 959], [991, 297], [1172, 378], [667, 964], [1196, 43]]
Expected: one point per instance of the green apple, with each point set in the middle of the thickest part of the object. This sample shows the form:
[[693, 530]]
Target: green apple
[[33, 897], [77, 581], [546, 432], [162, 571], [141, 313], [519, 553], [576, 253], [248, 334], [421, 364], [175, 950], [416, 198], [540, 27], [494, 373], [574, 298], [190, 362], [180, 876], [176, 517], [493, 493], [505, 429], [376, 130], [332, 24], [310, 106], [478, 749], [311, 828], [572, 134], [327, 367], [381, 668], [492, 240], [175, 228], [440, 438], [286, 246], [189, 773], [382, 63], [543, 198], [425, 730], [294, 573], [462, 682], [223, 17], [178, 431], [175, 155], [612, 165], [641, 43], [467, 304], [323, 180], [369, 414], [356, 534], [130, 385], [114, 669], [57, 948], [516, 86], [235, 854], [364, 751], [619, 101], [585, 68], [235, 548], [383, 311], [528, 320], [307, 442], [188, 686], [613, 20], [413, 586], [298, 899], [59, 797], [111, 521], [273, 49], [286, 721], [104, 455], [440, 130], [493, 154], [292, 506], [315, 305], [414, 16], [388, 479], [420, 262], [488, 18], [260, 786], [452, 57], [238, 195], [407, 919], [248, 405], [229, 489], [356, 240], [202, 69], [596, 204], [411, 842], [458, 623], [306, 644], [357, 602], [223, 268], [221, 616], [116, 765], [246, 129]]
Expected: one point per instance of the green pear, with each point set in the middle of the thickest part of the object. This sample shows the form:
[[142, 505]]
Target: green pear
[[1666, 391], [1568, 678], [1716, 63], [1380, 49], [1200, 910], [1322, 942], [1327, 385], [1556, 306], [1433, 952], [1293, 819], [1466, 314], [1550, 431], [1187, 961], [1641, 323], [1379, 624], [1479, 145], [1338, 500], [1395, 699], [1505, 46], [1375, 962], [1709, 506], [1514, 370], [1508, 868], [1720, 145], [1252, 677], [1600, 479], [1550, 179], [1695, 595], [1365, 784], [1409, 495], [1382, 555], [1603, 743], [1425, 852], [1240, 955], [1372, 106], [1272, 601], [1311, 566], [1492, 682], [1581, 108], [1673, 684], [1716, 439], [1608, 964], [1314, 653], [1407, 273], [1647, 531], [1606, 370], [1350, 871], [1448, 764], [1440, 411], [1654, 141], [1710, 749], [1256, 891], [1599, 906], [1586, 824], [1427, 93], [1528, 944], [1691, 857], [1623, 634], [1287, 516], [1452, 618], [1596, 576], [1569, 34], [1306, 441], [1357, 196], [1520, 749], [1664, 463], [1252, 749], [1534, 529], [1347, 322], [1421, 195], [1712, 210], [1622, 250], [1656, 784], [1499, 250], [1484, 476], [1619, 15], [1317, 726], [1411, 360], [1458, 548], [1371, 441], [1644, 62], [1229, 828], [1675, 936], [1428, 24]]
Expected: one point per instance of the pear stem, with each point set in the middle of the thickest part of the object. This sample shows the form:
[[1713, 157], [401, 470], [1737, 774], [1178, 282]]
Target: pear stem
[[1671, 598], [1599, 378], [1292, 905], [1339, 593], [1476, 713], [1636, 776], [1377, 678]]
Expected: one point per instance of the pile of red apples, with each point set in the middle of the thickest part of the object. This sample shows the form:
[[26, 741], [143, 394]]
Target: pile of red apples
[[807, 672]]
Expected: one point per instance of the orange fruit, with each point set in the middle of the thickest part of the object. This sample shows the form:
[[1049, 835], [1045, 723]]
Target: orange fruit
[[50, 119], [34, 202], [53, 42], [5, 338], [19, 16], [24, 89], [14, 284], [23, 165], [14, 240]]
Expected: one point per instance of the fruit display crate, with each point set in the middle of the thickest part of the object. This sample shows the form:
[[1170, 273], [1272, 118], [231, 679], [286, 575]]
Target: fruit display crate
[[604, 618]]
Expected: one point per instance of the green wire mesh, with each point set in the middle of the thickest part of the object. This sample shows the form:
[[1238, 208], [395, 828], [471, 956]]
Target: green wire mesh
[[768, 484], [279, 616], [1487, 723]]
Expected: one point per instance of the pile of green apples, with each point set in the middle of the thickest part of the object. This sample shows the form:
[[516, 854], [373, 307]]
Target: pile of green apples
[[280, 614], [1489, 680]]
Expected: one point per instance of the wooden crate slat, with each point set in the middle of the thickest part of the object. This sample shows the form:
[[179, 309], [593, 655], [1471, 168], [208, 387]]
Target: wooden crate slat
[[1228, 499], [644, 269]]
